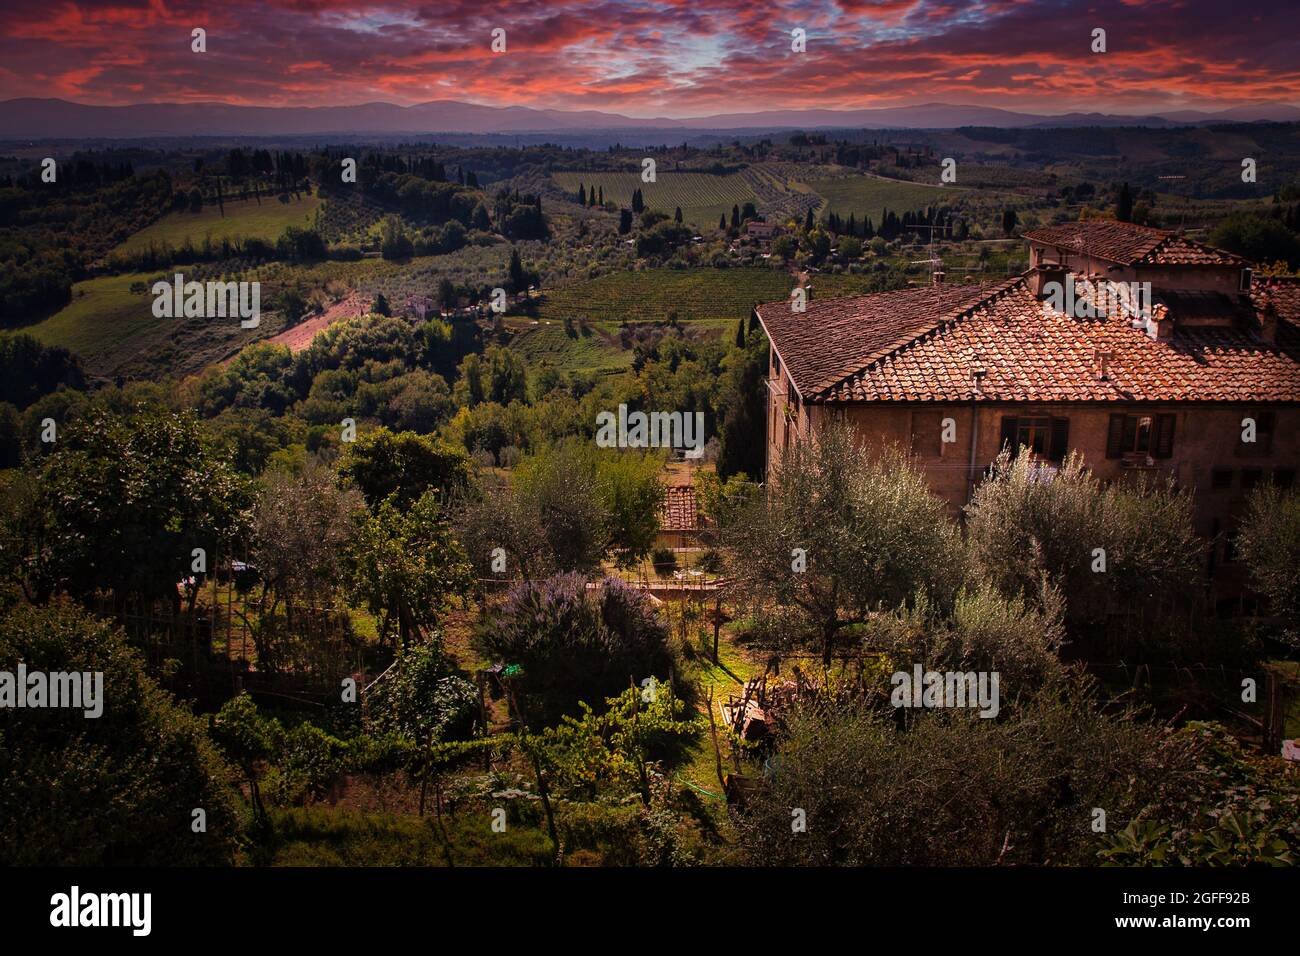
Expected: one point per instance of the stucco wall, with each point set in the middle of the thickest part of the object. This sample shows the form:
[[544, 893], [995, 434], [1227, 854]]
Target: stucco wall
[[1206, 438]]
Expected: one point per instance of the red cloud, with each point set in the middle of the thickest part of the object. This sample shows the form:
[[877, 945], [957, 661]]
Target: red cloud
[[653, 57]]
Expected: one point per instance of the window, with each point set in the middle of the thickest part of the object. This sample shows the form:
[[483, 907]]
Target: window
[[1221, 478], [1250, 477], [1140, 435], [1263, 443], [1284, 478], [1137, 434], [1045, 437]]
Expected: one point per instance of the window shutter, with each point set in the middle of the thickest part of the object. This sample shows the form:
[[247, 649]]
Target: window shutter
[[1164, 443], [1060, 438], [1115, 437], [1265, 436], [1009, 428]]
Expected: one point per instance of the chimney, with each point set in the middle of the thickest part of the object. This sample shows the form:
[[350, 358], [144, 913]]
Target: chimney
[[1043, 274], [1160, 324], [937, 277], [977, 370], [1101, 364], [1268, 320]]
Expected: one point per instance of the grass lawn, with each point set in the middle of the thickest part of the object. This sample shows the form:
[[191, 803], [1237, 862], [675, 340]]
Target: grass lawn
[[710, 300], [337, 837], [104, 318], [735, 666], [246, 219]]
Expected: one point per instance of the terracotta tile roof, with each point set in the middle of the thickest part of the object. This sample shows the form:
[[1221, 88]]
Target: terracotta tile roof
[[1282, 292], [1131, 244], [680, 510], [835, 336], [1029, 353]]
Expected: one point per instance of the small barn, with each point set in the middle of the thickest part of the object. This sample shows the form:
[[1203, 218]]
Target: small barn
[[680, 521]]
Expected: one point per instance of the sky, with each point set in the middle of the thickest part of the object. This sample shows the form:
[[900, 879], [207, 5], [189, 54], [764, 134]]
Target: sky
[[647, 58]]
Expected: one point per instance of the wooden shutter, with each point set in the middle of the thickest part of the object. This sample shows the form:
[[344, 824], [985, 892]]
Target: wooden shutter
[[1060, 438], [1115, 437], [1009, 428], [1163, 446]]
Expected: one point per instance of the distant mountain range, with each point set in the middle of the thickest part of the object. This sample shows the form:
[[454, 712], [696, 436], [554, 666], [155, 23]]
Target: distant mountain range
[[23, 119]]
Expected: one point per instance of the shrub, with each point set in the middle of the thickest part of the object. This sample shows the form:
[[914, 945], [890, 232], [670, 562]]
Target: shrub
[[985, 632], [573, 645], [114, 790], [345, 252], [423, 698], [954, 789], [1236, 810]]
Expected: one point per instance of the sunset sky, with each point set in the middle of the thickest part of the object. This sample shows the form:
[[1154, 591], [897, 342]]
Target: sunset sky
[[659, 57]]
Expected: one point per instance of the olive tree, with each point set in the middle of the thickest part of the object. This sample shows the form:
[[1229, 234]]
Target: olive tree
[[303, 525], [1269, 540], [1119, 548], [563, 509], [840, 534]]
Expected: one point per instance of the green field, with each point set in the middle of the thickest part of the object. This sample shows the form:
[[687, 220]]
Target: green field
[[710, 300], [870, 195], [115, 331], [701, 196], [650, 296], [695, 295], [593, 349], [246, 219], [104, 317]]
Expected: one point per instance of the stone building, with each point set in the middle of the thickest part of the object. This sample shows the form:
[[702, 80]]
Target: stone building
[[1151, 362]]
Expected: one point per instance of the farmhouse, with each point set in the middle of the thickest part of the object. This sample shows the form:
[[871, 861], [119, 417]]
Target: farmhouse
[[758, 229], [1201, 383]]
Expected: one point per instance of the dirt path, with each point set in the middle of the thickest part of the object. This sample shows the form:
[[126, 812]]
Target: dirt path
[[300, 336]]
